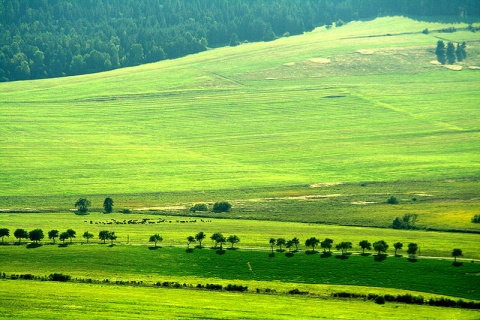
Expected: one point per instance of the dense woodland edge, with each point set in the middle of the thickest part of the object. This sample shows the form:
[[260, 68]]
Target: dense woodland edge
[[46, 39]]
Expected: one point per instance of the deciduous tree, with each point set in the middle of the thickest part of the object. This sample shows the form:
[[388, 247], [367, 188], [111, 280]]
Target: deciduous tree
[[199, 237], [71, 234], [218, 238], [398, 246], [63, 236], [272, 242], [365, 245], [87, 235], [456, 253], [52, 234], [326, 244], [190, 239], [233, 239], [20, 234], [156, 238], [281, 242], [312, 242], [108, 205], [344, 246], [36, 235], [4, 232], [412, 250], [82, 204], [380, 246]]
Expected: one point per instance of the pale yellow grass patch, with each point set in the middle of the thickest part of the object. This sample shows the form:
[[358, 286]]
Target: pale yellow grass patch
[[325, 184], [160, 208], [435, 63], [454, 68], [289, 64], [363, 202], [474, 68], [366, 52], [320, 60]]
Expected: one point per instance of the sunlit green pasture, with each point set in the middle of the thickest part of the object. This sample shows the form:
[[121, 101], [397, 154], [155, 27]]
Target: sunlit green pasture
[[253, 116], [46, 300], [252, 233]]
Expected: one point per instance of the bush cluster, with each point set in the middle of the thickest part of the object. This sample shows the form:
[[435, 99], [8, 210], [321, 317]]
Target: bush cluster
[[409, 299]]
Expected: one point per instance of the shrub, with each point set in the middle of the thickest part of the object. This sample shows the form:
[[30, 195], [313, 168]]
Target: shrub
[[222, 206], [476, 218], [126, 211], [380, 300], [234, 287], [296, 291], [199, 207], [59, 277], [392, 200]]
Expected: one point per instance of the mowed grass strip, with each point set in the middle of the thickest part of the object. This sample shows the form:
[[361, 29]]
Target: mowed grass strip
[[46, 300], [140, 263]]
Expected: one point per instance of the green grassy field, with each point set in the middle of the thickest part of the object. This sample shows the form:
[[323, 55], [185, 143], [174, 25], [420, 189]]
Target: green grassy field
[[229, 119], [44, 300], [139, 263], [252, 233], [306, 136]]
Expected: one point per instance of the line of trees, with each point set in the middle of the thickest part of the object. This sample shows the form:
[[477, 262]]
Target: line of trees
[[43, 39], [219, 240], [37, 235], [450, 54]]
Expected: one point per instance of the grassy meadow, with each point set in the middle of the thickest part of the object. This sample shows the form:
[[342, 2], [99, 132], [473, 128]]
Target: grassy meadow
[[305, 136], [231, 119], [54, 300]]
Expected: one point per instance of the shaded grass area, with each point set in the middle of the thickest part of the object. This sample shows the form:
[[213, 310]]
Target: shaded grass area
[[139, 263], [110, 302]]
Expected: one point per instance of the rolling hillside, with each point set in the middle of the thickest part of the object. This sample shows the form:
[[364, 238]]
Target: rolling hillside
[[357, 103]]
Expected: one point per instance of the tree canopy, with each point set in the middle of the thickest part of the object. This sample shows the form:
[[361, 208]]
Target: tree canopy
[[43, 39]]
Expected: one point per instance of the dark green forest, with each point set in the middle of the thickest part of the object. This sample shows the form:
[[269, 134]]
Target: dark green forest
[[54, 38]]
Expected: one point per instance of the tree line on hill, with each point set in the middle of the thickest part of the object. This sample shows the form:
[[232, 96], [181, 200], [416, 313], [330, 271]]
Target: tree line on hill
[[44, 39]]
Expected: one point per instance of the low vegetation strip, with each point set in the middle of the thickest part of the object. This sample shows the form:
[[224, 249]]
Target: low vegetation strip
[[379, 299]]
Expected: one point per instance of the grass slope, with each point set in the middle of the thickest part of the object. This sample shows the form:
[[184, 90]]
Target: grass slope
[[257, 115]]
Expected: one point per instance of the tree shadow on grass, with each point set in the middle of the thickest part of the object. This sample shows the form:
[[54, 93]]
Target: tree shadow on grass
[[311, 252], [326, 254], [33, 245], [153, 248], [380, 257], [63, 245], [271, 254], [457, 264], [365, 254], [289, 254], [342, 256], [189, 250], [411, 259], [220, 251]]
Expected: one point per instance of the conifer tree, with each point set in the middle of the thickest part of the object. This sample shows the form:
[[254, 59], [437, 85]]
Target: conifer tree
[[440, 52]]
